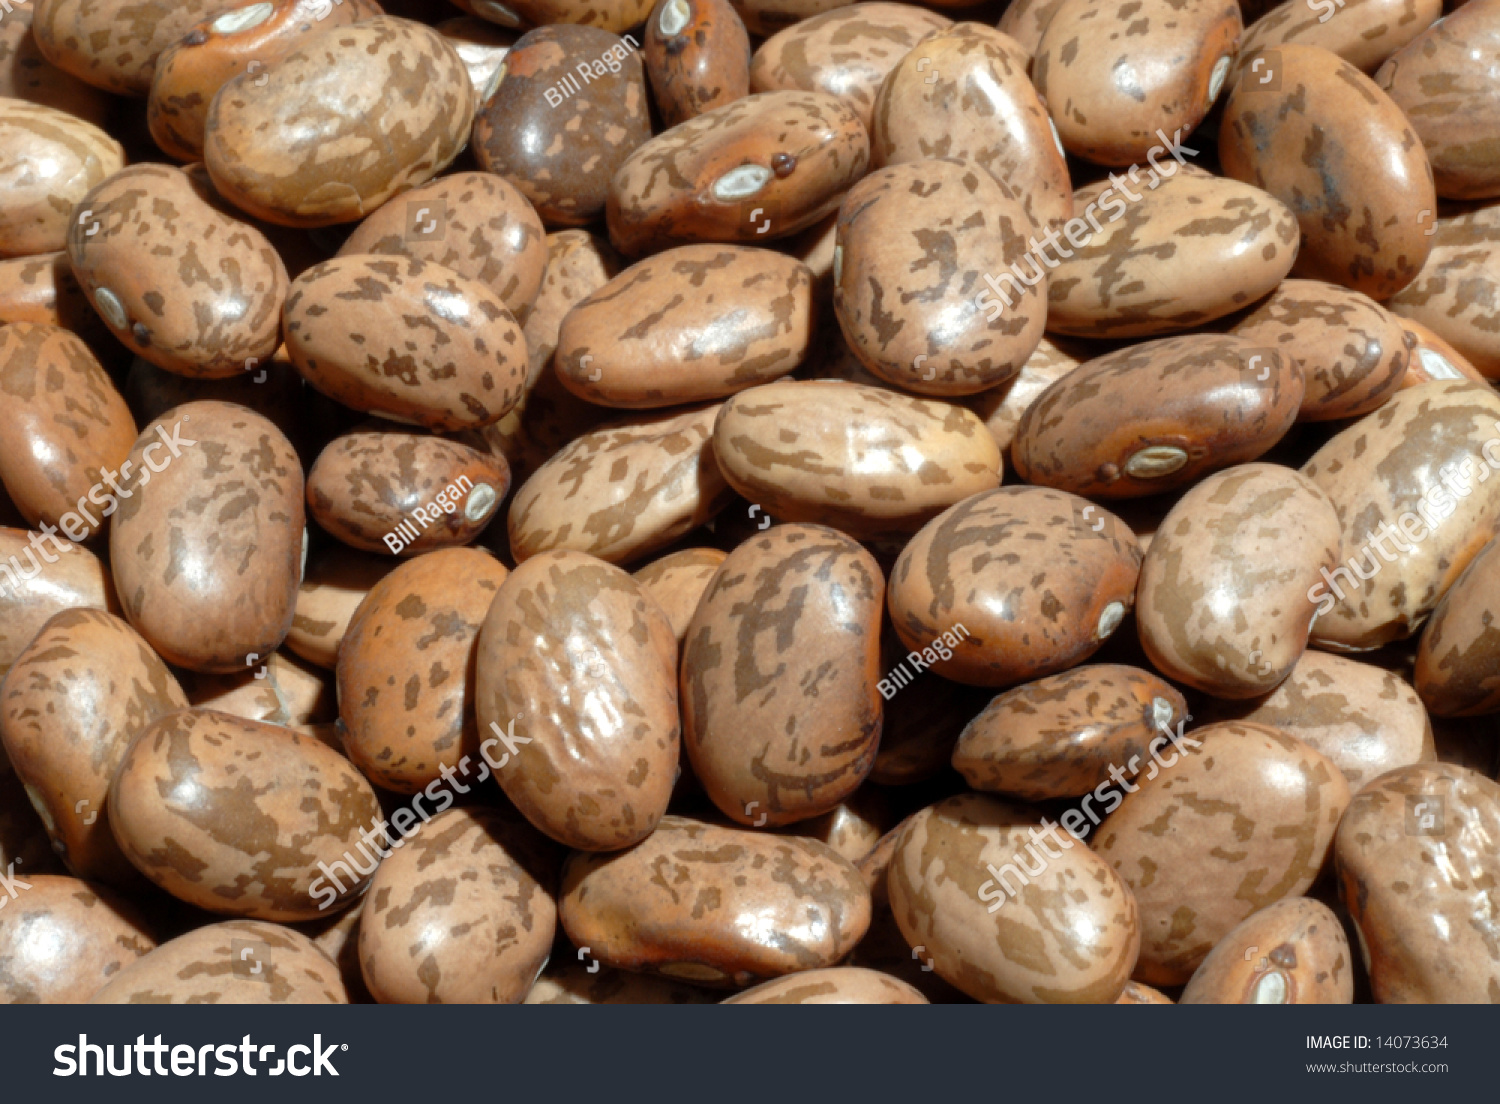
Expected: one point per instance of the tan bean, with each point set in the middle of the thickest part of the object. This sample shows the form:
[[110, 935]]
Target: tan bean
[[846, 52], [1453, 293], [1026, 21], [407, 339], [1318, 134], [1069, 937], [217, 964], [346, 120], [69, 708], [1017, 583], [859, 459], [915, 244], [579, 660], [209, 301], [1225, 599], [962, 91], [760, 168], [1362, 32], [1352, 352], [1417, 470], [238, 39], [71, 577], [477, 224], [1367, 720], [1122, 78], [385, 488], [48, 162], [690, 324], [456, 917], [406, 669], [334, 584], [1292, 952], [1442, 78], [1417, 868], [208, 541], [1457, 666], [1158, 415], [677, 582], [1242, 817], [715, 905], [98, 44], [63, 939], [236, 816], [622, 493], [68, 426], [1185, 249], [43, 289], [1059, 736], [780, 713]]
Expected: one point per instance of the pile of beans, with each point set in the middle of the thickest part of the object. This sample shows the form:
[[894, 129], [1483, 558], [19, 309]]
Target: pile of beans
[[777, 501]]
